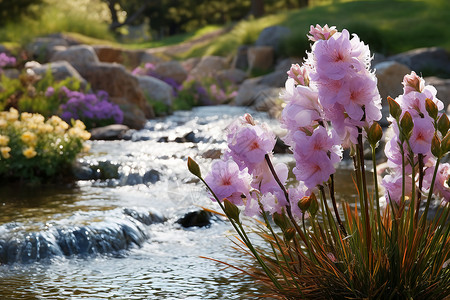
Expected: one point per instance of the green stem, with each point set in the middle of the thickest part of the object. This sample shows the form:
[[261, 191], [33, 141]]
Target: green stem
[[375, 180], [333, 200], [430, 193]]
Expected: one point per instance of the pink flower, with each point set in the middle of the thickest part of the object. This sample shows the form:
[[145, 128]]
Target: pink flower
[[339, 57], [321, 33], [442, 183], [299, 74], [227, 181], [413, 82], [393, 186], [316, 170], [249, 143], [423, 132]]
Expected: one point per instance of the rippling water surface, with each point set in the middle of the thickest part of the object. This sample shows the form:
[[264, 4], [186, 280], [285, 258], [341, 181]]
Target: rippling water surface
[[167, 265]]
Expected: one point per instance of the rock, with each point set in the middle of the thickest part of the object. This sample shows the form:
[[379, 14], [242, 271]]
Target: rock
[[187, 138], [82, 172], [133, 116], [43, 48], [122, 87], [390, 76], [240, 60], [79, 57], [443, 88], [284, 65], [190, 63], [110, 132], [146, 57], [208, 66], [281, 147], [129, 58], [151, 176], [248, 92], [171, 69], [212, 154], [274, 79], [268, 100], [155, 89], [144, 216], [432, 60], [272, 37], [200, 218], [260, 58], [251, 88], [60, 70], [235, 76]]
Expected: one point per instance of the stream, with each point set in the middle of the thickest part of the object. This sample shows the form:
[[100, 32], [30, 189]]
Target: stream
[[116, 233]]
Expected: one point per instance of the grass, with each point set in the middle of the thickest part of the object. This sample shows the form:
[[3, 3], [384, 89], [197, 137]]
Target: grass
[[388, 26]]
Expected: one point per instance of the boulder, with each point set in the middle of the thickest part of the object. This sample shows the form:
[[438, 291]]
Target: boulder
[[80, 57], [60, 70], [200, 218], [240, 60], [128, 58], [155, 89], [43, 48], [209, 66], [390, 76], [260, 58], [10, 73], [432, 60], [171, 69], [272, 37], [235, 76], [252, 88], [268, 100], [122, 86], [110, 132], [133, 116], [190, 63]]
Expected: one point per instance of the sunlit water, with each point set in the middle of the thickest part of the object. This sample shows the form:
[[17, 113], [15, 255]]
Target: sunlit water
[[167, 264]]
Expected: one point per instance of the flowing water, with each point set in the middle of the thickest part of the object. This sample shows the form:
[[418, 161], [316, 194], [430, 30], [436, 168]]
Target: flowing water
[[115, 234]]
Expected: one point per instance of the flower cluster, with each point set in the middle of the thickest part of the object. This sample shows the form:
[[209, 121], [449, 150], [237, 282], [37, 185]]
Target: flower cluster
[[32, 147], [244, 174], [6, 60], [415, 141], [93, 109]]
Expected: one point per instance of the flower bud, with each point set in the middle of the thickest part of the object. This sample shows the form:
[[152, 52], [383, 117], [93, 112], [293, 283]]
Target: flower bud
[[431, 108], [443, 124], [374, 134], [436, 146], [231, 210], [445, 144], [314, 207], [281, 221], [289, 234], [407, 125], [304, 203], [394, 108], [193, 167]]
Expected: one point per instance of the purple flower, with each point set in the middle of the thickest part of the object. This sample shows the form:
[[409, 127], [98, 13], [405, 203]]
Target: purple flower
[[226, 180]]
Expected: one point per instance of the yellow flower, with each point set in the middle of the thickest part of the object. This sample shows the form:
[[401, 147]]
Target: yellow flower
[[3, 123], [86, 148], [26, 116], [29, 138], [5, 152], [79, 124], [4, 140], [29, 152], [77, 132], [45, 128], [12, 115]]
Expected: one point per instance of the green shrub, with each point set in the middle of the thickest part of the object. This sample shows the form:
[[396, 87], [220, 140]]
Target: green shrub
[[33, 150]]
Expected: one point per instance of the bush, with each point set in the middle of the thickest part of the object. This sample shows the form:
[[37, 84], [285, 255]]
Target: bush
[[94, 110], [34, 150]]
